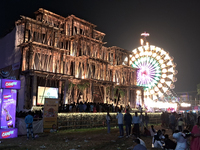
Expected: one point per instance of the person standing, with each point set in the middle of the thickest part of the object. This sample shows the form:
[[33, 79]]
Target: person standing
[[120, 123], [142, 122], [195, 144], [172, 121], [146, 120], [29, 124], [136, 122], [128, 119], [108, 120]]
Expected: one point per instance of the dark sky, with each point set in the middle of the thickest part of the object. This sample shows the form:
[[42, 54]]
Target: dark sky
[[173, 25]]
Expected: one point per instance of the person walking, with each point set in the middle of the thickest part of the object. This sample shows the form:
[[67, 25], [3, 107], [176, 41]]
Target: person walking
[[29, 124], [136, 122], [120, 123], [108, 120], [128, 120]]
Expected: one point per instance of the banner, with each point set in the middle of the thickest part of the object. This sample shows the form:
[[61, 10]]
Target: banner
[[50, 114]]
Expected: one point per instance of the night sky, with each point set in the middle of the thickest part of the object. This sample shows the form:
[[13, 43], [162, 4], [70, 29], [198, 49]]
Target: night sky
[[173, 25]]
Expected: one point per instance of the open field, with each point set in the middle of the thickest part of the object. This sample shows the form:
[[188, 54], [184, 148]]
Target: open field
[[80, 139]]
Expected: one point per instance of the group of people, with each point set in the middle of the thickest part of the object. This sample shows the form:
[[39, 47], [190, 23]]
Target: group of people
[[180, 131], [90, 107], [173, 120], [138, 121]]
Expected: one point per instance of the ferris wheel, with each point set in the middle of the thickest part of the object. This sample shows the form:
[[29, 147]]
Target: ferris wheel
[[156, 69]]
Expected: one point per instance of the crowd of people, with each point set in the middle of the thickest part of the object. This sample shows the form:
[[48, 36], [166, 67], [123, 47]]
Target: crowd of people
[[90, 107], [182, 126]]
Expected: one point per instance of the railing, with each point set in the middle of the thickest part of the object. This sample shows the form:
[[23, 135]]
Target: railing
[[90, 124]]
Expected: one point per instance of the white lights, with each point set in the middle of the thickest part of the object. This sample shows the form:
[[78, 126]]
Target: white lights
[[162, 80], [163, 66], [161, 61], [133, 58], [164, 70], [164, 75], [159, 85], [185, 104], [154, 54], [151, 91], [158, 57], [156, 89], [136, 56]]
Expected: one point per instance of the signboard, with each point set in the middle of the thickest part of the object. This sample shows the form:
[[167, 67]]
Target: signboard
[[8, 133], [10, 84], [46, 92], [8, 108], [50, 114]]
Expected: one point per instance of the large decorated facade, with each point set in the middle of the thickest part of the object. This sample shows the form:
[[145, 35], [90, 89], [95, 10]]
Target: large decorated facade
[[65, 58]]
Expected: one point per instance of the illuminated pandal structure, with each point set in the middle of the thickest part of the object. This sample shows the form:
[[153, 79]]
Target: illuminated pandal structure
[[69, 54]]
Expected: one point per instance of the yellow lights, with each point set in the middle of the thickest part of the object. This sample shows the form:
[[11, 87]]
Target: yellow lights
[[141, 41], [136, 56], [154, 54], [158, 57], [141, 53], [162, 80], [164, 70], [163, 66], [159, 85], [161, 61], [164, 75]]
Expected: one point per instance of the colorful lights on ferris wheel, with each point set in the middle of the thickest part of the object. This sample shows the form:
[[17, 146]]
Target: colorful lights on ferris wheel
[[156, 70]]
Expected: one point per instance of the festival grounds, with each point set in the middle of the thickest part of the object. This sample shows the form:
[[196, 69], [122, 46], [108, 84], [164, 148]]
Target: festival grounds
[[79, 139]]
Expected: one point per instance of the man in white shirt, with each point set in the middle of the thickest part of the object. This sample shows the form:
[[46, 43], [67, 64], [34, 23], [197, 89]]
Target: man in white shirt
[[120, 123]]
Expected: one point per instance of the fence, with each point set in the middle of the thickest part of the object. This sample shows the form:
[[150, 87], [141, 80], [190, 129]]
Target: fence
[[90, 120]]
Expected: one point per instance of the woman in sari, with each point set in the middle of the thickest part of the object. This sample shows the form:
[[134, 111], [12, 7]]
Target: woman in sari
[[195, 142]]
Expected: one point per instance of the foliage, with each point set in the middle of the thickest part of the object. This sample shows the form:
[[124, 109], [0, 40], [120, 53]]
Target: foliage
[[122, 93], [83, 86], [71, 85]]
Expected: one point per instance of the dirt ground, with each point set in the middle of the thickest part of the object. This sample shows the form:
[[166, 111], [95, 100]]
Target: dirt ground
[[79, 139]]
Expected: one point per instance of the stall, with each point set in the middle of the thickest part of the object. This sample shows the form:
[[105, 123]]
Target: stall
[[8, 98]]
